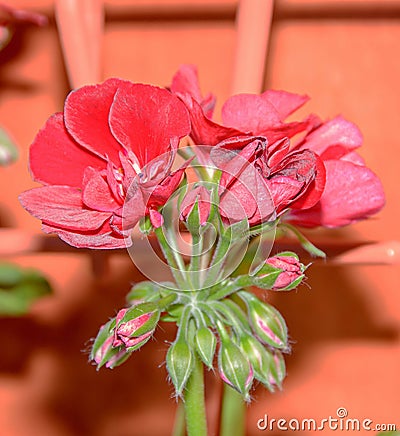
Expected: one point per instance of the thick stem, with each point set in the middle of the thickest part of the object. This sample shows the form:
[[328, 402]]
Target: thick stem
[[195, 410], [233, 413]]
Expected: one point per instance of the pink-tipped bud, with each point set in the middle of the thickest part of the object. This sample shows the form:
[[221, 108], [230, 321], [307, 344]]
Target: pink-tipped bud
[[135, 326], [266, 322], [292, 271], [234, 367], [103, 352]]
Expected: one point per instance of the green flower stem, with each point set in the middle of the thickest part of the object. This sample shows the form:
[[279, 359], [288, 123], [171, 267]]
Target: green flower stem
[[173, 258], [197, 246], [179, 424], [195, 410], [233, 413]]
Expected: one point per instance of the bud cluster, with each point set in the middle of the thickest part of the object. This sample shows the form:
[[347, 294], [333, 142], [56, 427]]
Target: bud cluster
[[223, 325]]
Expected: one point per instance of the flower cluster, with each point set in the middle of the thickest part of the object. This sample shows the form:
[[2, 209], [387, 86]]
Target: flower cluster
[[109, 162]]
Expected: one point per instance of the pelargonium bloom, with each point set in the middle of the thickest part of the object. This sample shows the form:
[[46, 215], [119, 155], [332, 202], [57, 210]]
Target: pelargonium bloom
[[114, 143], [351, 190]]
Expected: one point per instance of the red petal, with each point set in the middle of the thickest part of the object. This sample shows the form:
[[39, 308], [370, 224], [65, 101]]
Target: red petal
[[283, 190], [250, 113], [352, 192], [61, 206], [186, 81], [55, 158], [86, 113], [96, 192], [315, 189], [285, 102], [333, 139], [145, 118], [103, 241], [205, 131]]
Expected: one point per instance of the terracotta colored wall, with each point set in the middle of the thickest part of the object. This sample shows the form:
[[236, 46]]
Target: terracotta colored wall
[[344, 326]]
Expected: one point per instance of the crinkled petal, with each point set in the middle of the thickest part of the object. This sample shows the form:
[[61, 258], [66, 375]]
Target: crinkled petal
[[93, 240], [163, 191], [62, 206], [86, 113], [55, 158], [283, 190], [352, 192], [334, 139], [145, 118], [314, 190]]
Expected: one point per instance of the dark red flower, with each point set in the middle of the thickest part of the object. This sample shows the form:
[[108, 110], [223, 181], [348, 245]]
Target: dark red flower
[[260, 182], [114, 144], [352, 191]]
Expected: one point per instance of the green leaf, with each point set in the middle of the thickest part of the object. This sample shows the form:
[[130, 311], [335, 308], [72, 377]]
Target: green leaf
[[19, 289]]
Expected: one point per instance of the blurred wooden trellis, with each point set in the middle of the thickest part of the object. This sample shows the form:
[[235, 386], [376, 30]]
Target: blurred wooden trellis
[[81, 26]]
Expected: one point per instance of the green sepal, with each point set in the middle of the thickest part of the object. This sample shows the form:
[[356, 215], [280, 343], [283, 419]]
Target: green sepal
[[142, 292], [145, 225]]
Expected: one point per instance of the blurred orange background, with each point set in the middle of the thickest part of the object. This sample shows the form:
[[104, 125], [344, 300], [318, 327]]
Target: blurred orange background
[[344, 322]]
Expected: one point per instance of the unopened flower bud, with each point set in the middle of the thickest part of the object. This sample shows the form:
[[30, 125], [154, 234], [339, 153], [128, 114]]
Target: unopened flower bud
[[205, 342], [135, 326], [103, 352], [266, 322], [195, 208], [277, 368], [292, 271], [179, 364], [234, 367], [267, 365]]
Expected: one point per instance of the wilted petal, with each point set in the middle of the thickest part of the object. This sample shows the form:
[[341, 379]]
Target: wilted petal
[[94, 240], [55, 158], [86, 113]]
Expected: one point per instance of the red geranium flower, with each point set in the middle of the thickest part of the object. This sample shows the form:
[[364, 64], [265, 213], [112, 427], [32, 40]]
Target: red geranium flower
[[351, 191], [113, 144]]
